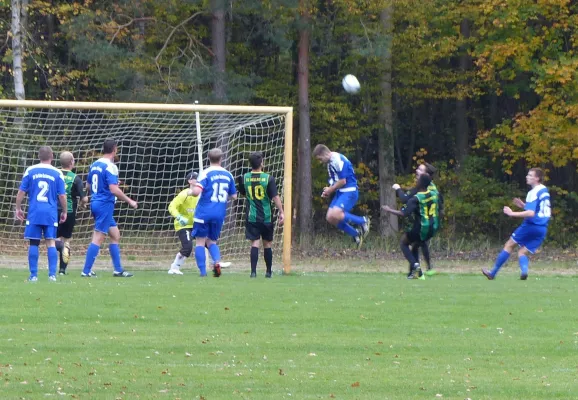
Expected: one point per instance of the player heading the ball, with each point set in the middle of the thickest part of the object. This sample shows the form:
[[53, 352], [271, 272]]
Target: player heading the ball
[[343, 187], [45, 188], [102, 183]]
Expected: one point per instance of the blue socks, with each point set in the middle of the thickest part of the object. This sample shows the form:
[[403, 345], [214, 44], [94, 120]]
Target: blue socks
[[52, 260], [215, 253], [523, 260], [501, 260], [348, 229], [114, 250], [201, 259], [33, 260], [91, 255], [353, 219]]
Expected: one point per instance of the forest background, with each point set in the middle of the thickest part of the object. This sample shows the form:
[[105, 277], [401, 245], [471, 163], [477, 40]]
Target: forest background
[[482, 89]]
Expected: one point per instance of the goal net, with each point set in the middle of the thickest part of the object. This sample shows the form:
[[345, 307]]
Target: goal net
[[158, 146]]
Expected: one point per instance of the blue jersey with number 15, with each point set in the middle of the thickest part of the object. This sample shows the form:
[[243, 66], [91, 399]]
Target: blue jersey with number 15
[[218, 184], [102, 173], [43, 183]]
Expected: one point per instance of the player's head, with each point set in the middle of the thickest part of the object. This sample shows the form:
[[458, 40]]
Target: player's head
[[322, 153], [215, 156], [256, 160], [109, 146], [535, 176], [66, 160], [425, 168], [192, 177], [423, 182], [45, 154]]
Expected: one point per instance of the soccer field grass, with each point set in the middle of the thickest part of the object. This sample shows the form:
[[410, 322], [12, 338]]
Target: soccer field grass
[[303, 336]]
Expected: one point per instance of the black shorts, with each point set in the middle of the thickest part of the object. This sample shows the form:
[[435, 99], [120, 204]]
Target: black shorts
[[414, 235], [259, 230], [67, 227]]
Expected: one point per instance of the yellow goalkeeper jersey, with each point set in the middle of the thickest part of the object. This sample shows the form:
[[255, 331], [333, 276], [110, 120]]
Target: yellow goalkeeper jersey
[[183, 205]]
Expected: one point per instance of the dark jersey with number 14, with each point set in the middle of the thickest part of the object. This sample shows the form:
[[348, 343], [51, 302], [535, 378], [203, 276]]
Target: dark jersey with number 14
[[259, 188]]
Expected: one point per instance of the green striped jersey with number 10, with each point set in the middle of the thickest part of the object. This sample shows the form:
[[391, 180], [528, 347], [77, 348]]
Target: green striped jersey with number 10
[[259, 195]]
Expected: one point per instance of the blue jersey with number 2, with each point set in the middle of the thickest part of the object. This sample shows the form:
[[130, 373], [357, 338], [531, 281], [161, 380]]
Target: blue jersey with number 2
[[43, 183], [217, 184], [102, 173]]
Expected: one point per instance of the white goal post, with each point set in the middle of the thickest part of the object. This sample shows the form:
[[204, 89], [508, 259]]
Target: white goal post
[[158, 146]]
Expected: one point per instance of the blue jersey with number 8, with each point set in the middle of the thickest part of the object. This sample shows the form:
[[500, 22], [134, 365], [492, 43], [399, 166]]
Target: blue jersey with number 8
[[217, 184], [102, 173], [43, 183]]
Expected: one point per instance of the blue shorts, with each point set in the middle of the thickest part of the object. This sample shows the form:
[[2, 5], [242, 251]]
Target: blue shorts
[[345, 200], [530, 236], [103, 216], [207, 229], [37, 231]]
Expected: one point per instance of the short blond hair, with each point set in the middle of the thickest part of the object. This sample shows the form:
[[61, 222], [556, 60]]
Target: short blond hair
[[320, 149], [215, 155], [66, 158]]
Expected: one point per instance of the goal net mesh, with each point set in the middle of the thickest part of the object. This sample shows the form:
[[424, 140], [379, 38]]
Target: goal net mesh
[[156, 151]]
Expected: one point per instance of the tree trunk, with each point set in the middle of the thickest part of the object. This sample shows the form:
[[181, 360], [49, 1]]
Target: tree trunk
[[138, 80], [462, 130], [305, 188], [17, 50], [218, 39], [386, 146]]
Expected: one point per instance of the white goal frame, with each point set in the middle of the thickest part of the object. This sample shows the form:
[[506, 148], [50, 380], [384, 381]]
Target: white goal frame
[[196, 108]]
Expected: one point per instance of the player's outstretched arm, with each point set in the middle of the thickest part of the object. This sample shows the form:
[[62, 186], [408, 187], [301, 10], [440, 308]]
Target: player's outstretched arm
[[390, 210], [18, 209], [404, 197], [115, 190], [519, 214]]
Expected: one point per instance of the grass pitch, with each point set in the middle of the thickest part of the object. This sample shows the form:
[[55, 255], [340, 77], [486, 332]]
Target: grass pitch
[[306, 336]]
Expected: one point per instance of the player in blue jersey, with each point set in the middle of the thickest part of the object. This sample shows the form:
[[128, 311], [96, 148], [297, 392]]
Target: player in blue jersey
[[530, 235], [102, 183], [343, 185], [45, 188], [216, 186]]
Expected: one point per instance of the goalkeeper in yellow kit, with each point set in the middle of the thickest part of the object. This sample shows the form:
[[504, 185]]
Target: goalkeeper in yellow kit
[[182, 208]]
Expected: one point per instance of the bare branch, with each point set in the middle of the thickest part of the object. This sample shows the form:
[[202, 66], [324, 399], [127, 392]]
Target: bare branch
[[129, 23]]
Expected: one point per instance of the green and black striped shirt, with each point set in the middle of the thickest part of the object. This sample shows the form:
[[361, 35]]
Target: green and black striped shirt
[[259, 188]]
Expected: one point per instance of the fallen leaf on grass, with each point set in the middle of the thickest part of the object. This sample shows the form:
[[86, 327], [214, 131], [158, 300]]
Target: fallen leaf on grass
[[355, 384]]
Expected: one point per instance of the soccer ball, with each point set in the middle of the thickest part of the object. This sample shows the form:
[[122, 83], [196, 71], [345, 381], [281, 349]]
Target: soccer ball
[[350, 84]]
